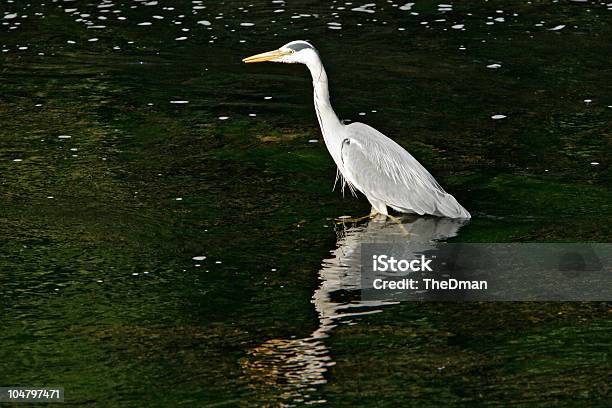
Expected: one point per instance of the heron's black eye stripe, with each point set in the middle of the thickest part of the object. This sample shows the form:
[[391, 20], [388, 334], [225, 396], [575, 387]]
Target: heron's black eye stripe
[[299, 47]]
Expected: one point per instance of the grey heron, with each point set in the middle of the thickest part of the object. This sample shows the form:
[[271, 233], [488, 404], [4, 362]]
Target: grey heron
[[368, 160]]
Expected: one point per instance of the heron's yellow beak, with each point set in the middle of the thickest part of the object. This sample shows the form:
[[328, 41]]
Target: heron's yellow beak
[[266, 56]]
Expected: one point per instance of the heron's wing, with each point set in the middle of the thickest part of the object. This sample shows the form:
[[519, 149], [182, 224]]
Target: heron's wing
[[384, 170]]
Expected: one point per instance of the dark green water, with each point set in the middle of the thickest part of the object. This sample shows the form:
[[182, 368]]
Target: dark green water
[[100, 293]]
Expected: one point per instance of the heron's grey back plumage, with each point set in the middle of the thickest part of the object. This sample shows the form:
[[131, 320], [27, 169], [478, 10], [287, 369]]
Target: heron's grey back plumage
[[385, 172]]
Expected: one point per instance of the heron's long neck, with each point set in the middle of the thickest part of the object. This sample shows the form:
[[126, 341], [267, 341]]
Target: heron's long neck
[[331, 127]]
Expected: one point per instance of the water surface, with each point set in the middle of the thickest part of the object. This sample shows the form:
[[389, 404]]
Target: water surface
[[167, 218]]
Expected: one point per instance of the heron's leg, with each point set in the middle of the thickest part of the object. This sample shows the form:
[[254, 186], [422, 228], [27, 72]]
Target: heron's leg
[[373, 213]]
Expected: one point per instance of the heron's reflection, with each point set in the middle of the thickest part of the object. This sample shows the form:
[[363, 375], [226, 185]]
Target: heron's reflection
[[293, 368]]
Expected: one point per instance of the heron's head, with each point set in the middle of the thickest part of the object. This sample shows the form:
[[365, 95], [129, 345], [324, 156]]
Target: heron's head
[[295, 52]]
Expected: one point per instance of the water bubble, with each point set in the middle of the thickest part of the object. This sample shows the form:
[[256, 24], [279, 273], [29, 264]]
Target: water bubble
[[223, 117], [179, 102], [497, 117], [181, 38], [494, 66], [557, 28], [204, 22], [199, 258], [365, 8], [406, 6], [64, 137]]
